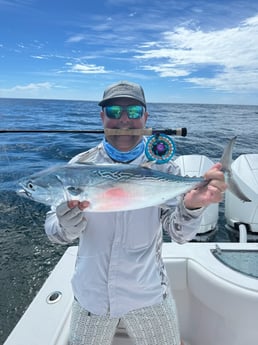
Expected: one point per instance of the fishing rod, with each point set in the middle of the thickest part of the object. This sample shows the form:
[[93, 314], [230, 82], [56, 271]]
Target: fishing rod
[[159, 146], [108, 131]]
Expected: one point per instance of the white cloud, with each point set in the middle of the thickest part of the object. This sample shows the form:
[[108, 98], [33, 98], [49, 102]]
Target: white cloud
[[29, 87], [165, 70], [38, 57], [47, 90], [76, 38], [29, 90], [239, 80], [231, 54], [88, 69]]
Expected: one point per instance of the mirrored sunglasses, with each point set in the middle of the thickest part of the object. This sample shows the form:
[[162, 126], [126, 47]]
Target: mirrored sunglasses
[[116, 111]]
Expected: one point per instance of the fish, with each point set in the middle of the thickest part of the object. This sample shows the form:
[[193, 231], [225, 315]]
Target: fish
[[116, 187]]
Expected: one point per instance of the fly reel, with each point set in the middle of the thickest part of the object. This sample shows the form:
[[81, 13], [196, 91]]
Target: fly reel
[[160, 147]]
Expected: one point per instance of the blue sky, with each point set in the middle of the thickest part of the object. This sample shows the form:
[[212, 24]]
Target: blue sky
[[182, 51]]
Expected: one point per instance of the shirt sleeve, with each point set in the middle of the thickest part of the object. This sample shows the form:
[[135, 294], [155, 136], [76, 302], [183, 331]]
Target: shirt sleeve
[[180, 223]]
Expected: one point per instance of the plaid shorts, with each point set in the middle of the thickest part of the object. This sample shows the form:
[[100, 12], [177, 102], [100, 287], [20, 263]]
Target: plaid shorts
[[154, 325]]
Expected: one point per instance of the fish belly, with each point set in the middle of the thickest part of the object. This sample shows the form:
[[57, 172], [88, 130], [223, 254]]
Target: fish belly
[[128, 196]]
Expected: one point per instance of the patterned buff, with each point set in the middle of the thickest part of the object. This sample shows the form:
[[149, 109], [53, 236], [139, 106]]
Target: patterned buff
[[124, 157]]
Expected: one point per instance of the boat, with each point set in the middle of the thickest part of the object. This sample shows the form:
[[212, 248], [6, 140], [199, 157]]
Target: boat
[[217, 304], [215, 285]]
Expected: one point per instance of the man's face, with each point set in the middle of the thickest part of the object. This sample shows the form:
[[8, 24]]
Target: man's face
[[124, 142]]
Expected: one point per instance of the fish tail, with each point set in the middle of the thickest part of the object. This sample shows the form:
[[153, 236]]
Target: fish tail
[[226, 161]]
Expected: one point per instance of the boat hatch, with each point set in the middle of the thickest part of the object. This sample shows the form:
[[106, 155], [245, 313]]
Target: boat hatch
[[243, 261]]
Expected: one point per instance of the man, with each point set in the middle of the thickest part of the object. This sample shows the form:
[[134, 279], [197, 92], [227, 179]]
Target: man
[[119, 273]]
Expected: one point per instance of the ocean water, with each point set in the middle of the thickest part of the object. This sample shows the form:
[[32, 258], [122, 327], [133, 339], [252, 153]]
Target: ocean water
[[26, 255]]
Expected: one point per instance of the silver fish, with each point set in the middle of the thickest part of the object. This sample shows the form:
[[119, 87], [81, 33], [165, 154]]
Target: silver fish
[[113, 187]]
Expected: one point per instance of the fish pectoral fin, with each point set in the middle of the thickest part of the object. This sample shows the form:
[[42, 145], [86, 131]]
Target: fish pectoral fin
[[66, 193], [84, 163], [148, 164]]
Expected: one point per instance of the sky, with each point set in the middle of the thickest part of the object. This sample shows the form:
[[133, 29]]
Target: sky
[[180, 51]]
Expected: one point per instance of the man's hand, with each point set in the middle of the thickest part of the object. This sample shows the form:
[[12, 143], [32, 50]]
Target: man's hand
[[211, 193], [70, 216]]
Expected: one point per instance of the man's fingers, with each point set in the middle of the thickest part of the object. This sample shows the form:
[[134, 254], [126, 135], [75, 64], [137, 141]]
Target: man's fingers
[[73, 203], [83, 204], [63, 208]]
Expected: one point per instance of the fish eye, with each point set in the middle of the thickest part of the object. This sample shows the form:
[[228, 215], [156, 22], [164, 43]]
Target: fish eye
[[30, 185]]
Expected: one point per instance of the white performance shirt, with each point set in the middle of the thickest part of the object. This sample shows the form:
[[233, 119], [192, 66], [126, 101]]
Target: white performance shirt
[[119, 266]]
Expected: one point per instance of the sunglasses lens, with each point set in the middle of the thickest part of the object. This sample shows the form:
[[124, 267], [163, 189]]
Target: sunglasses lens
[[133, 111], [114, 111]]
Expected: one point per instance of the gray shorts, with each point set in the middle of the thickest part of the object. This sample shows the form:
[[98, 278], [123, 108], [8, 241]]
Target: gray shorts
[[154, 325]]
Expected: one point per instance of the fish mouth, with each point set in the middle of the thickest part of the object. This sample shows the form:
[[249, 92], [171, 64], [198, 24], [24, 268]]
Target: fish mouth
[[25, 193]]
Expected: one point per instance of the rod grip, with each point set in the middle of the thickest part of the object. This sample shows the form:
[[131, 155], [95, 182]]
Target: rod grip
[[146, 131]]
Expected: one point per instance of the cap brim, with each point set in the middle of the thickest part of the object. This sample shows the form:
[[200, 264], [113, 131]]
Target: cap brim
[[107, 100]]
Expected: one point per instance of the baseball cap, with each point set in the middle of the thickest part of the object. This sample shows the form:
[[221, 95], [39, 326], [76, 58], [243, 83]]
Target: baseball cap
[[123, 89]]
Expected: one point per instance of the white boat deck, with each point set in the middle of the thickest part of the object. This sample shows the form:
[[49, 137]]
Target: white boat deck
[[216, 304]]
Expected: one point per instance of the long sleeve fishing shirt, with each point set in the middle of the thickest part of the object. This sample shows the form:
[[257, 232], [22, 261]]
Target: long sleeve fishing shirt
[[119, 267]]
